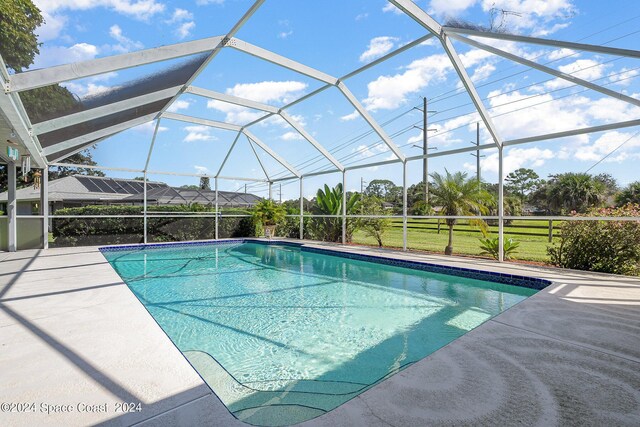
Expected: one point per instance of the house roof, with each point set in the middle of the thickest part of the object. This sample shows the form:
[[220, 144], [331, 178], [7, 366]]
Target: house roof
[[179, 196], [84, 188]]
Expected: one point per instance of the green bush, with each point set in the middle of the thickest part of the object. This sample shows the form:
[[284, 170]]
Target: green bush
[[489, 246], [119, 229], [605, 246]]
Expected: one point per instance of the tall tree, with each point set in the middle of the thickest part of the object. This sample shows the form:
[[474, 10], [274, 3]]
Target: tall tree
[[521, 182], [19, 46], [205, 183], [459, 195], [577, 192], [18, 41]]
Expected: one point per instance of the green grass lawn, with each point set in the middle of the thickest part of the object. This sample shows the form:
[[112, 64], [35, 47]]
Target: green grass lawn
[[423, 235]]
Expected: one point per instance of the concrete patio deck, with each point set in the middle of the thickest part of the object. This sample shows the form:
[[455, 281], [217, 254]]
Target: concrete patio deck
[[72, 333]]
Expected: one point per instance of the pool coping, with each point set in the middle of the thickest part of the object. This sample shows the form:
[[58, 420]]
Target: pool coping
[[470, 273]]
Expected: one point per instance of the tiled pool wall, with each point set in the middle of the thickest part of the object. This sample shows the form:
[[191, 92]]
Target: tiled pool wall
[[504, 278]]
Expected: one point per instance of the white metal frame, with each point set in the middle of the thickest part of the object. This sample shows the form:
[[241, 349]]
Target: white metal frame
[[14, 114]]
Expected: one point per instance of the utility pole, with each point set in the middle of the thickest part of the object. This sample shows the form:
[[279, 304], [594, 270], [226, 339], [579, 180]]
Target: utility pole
[[425, 148], [362, 183], [477, 155], [245, 189], [280, 193]]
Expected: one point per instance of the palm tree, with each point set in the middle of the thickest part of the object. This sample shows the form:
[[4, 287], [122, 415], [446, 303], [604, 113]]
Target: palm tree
[[458, 195], [575, 192], [329, 202]]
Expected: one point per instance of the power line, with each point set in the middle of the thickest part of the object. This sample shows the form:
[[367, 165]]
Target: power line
[[613, 151]]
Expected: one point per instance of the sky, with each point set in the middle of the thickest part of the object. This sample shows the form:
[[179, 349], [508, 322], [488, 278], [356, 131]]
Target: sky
[[337, 37]]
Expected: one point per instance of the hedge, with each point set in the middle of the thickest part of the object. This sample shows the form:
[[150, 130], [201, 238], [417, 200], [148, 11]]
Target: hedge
[[123, 230]]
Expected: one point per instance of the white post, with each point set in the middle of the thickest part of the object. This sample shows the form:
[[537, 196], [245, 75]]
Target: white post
[[44, 206], [404, 205], [11, 206], [270, 198], [344, 207], [144, 205], [500, 206], [216, 183], [301, 211]]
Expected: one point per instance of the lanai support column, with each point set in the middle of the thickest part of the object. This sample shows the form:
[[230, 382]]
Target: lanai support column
[[344, 207], [44, 206], [217, 215], [301, 211], [404, 205], [11, 207], [500, 205], [144, 205]]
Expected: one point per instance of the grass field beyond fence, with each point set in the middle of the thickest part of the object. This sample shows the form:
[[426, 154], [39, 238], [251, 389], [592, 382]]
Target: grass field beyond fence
[[422, 234]]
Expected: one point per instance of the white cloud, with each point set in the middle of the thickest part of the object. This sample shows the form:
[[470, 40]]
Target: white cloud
[[378, 46], [56, 55], [362, 16], [515, 158], [201, 169], [623, 77], [537, 115], [184, 29], [52, 27], [585, 69], [532, 13], [606, 144], [350, 116], [544, 32], [268, 92], [450, 7], [284, 34], [179, 104], [149, 127], [180, 15], [389, 7], [389, 92], [125, 44], [137, 9], [562, 53], [291, 136], [198, 133]]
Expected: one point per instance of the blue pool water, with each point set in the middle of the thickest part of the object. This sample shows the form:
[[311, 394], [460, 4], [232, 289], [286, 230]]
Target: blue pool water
[[283, 335]]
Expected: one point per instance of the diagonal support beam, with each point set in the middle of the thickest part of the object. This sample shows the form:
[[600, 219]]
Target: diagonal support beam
[[471, 89], [272, 153], [199, 121], [548, 70], [62, 73], [206, 93], [248, 14], [274, 58], [224, 161], [81, 140], [105, 110], [418, 15], [294, 124], [369, 119], [257, 158], [9, 111], [629, 53]]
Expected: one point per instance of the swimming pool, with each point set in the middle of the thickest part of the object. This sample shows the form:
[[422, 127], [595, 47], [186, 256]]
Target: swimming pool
[[284, 333]]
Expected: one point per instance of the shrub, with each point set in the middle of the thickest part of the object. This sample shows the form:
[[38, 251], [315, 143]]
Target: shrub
[[489, 246], [605, 246], [119, 229], [373, 227]]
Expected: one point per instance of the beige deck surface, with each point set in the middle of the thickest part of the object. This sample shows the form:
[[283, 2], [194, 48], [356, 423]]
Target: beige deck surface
[[72, 333]]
